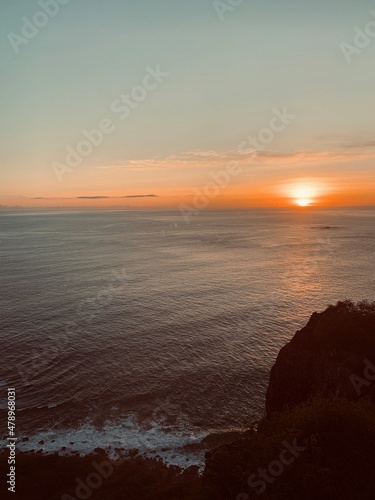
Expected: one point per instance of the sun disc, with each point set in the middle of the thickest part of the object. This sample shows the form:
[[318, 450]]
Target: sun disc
[[303, 202]]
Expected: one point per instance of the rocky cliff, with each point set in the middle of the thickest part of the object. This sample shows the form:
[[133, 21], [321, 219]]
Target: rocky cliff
[[333, 355], [316, 416]]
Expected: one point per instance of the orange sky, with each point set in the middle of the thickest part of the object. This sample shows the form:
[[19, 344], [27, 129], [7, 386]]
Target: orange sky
[[209, 179], [163, 96]]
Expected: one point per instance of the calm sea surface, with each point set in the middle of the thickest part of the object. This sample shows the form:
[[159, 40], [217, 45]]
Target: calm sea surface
[[133, 329]]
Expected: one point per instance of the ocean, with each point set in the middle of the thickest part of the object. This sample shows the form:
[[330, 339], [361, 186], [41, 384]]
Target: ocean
[[137, 330]]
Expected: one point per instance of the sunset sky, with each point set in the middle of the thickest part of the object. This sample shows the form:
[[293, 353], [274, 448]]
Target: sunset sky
[[182, 89]]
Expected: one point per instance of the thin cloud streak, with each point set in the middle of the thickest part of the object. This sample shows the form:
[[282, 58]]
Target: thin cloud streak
[[99, 197], [213, 159], [360, 145]]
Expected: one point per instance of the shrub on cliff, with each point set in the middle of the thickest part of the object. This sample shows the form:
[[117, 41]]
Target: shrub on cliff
[[324, 449]]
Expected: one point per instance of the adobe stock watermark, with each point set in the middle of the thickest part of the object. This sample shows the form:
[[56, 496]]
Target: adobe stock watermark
[[278, 123], [202, 198], [294, 275], [84, 488], [122, 106], [165, 409], [368, 377], [87, 311], [165, 414], [94, 480], [91, 308], [31, 27], [222, 7], [221, 179], [362, 40], [266, 476]]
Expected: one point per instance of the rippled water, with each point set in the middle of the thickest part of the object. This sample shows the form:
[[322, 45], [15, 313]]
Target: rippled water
[[135, 327]]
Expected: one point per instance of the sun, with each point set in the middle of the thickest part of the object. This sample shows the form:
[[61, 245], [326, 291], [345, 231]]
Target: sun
[[303, 195], [303, 202]]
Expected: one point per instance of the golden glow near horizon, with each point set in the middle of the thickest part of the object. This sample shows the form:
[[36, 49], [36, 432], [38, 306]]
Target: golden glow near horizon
[[304, 202], [123, 122], [305, 193]]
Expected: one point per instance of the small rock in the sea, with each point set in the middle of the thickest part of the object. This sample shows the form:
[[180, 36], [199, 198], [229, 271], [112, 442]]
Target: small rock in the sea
[[24, 440], [71, 442], [41, 442], [63, 448]]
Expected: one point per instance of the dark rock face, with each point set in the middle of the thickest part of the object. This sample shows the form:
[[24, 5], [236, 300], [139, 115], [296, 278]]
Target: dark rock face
[[333, 355], [326, 367], [334, 459]]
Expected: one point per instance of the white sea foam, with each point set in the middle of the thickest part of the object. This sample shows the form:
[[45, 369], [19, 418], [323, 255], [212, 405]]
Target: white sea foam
[[129, 435]]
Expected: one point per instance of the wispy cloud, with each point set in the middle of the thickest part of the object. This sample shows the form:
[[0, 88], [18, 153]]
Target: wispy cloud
[[141, 196], [92, 197], [100, 197], [347, 141], [117, 197], [213, 159], [360, 145], [48, 198]]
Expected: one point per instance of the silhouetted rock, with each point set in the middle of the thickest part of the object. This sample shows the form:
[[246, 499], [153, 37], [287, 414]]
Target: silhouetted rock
[[333, 355], [321, 450], [55, 477], [322, 447]]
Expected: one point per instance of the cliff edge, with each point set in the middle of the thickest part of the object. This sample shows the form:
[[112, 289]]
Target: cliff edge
[[332, 356]]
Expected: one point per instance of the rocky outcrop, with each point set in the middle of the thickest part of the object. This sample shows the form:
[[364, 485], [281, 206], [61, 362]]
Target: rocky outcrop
[[314, 404], [333, 355]]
